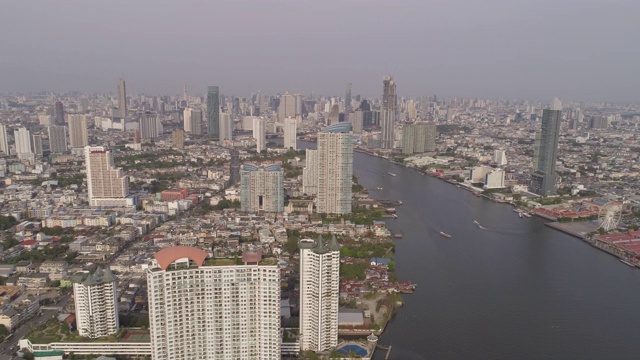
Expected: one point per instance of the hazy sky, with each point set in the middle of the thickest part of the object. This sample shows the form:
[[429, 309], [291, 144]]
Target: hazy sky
[[533, 49]]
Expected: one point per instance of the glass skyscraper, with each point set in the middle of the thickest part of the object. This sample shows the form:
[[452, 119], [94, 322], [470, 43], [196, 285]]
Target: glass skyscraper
[[213, 111], [543, 178]]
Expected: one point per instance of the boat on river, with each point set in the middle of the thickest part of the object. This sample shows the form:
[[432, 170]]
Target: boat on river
[[392, 174], [444, 234], [627, 263]]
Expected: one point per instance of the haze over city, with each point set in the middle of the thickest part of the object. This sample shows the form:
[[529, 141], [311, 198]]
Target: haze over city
[[577, 50]]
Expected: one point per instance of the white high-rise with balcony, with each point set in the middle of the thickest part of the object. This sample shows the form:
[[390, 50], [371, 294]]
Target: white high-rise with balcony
[[199, 311], [78, 133], [259, 133], [310, 173], [319, 294], [335, 169], [107, 185], [96, 301]]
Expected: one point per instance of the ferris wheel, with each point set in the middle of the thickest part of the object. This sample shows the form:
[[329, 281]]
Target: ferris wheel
[[609, 215]]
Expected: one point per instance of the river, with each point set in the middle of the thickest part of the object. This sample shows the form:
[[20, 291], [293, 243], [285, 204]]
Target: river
[[519, 290]]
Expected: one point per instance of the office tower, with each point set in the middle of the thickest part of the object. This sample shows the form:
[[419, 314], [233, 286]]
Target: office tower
[[543, 178], [24, 148], [500, 157], [36, 144], [388, 121], [58, 113], [106, 184], [290, 133], [262, 188], [319, 294], [412, 111], [150, 126], [235, 166], [193, 121], [335, 169], [96, 300], [122, 99], [177, 139], [78, 133], [57, 139], [347, 102], [200, 311], [4, 140], [357, 121], [287, 107], [259, 134], [213, 112], [310, 173], [226, 126], [408, 139]]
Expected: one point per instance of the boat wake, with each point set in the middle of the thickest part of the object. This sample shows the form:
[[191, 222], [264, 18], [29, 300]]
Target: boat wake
[[501, 231]]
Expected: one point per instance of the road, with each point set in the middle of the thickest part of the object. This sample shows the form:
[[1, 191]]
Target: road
[[9, 346]]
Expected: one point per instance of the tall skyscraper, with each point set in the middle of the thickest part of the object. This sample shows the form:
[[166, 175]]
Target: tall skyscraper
[[177, 139], [106, 184], [357, 121], [24, 147], [213, 112], [543, 178], [4, 140], [150, 125], [57, 139], [388, 122], [310, 173], [36, 144], [78, 133], [290, 133], [347, 102], [58, 113], [335, 169], [122, 99], [259, 134], [226, 126], [287, 107], [199, 311], [96, 300], [319, 294], [262, 188], [234, 165], [193, 121]]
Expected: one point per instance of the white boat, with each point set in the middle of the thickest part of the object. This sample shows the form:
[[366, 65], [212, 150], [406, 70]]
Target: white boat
[[445, 235], [627, 263], [520, 215], [526, 215], [392, 174]]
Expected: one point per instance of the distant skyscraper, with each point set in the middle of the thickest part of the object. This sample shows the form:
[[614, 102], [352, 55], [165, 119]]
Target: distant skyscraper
[[287, 107], [347, 102], [259, 134], [226, 126], [235, 166], [310, 173], [57, 139], [4, 140], [334, 115], [418, 138], [388, 122], [500, 157], [213, 112], [290, 133], [335, 169], [357, 121], [193, 121], [262, 188], [543, 178], [319, 294], [122, 99], [36, 144], [96, 301], [177, 139], [150, 126], [78, 133], [58, 113], [24, 148], [106, 184], [200, 311]]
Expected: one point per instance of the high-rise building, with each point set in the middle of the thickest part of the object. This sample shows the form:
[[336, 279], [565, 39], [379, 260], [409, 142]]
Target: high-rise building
[[388, 122], [24, 147], [259, 134], [193, 121], [408, 139], [290, 133], [36, 144], [199, 311], [78, 133], [95, 296], [334, 115], [234, 166], [57, 139], [319, 294], [177, 139], [310, 173], [287, 107], [58, 113], [262, 188], [150, 125], [357, 121], [213, 112], [226, 126], [418, 138], [347, 102], [106, 184], [335, 169], [122, 99], [500, 157], [543, 178], [4, 140]]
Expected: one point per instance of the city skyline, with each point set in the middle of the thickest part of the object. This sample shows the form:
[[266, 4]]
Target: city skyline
[[498, 50]]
